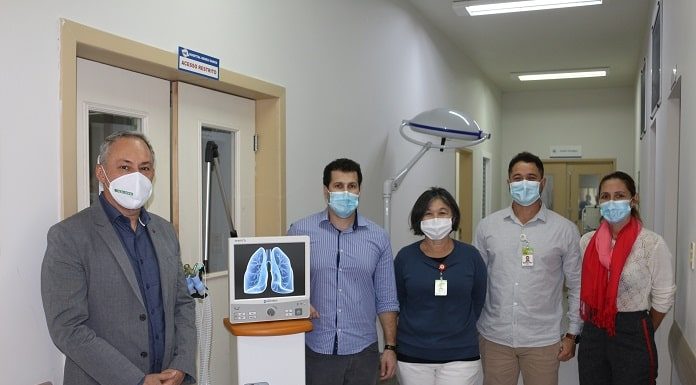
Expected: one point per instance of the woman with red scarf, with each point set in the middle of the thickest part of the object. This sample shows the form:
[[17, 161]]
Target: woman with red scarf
[[627, 287]]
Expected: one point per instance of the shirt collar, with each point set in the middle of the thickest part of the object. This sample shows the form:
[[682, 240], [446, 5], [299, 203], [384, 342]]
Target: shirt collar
[[358, 222], [114, 215], [541, 215]]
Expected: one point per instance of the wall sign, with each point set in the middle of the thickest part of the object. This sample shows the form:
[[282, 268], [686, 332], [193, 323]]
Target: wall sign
[[565, 152], [198, 63]]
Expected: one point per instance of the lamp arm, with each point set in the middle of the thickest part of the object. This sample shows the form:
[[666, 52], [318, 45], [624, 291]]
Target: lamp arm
[[392, 184], [396, 181]]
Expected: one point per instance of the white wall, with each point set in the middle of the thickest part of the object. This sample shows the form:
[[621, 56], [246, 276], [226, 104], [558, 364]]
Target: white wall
[[353, 71], [669, 151], [602, 121], [678, 42]]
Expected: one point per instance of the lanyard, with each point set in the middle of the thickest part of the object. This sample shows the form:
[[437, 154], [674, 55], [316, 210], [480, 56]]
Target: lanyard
[[526, 247]]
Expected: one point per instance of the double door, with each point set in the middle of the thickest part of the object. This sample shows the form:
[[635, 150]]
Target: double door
[[572, 189], [178, 119]]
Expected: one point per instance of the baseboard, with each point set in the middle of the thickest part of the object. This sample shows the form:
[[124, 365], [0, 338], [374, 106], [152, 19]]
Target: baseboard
[[683, 357]]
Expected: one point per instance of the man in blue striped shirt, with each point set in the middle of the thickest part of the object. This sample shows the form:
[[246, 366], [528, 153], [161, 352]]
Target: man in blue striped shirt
[[352, 283]]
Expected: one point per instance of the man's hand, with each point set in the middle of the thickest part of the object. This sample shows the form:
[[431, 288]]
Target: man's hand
[[173, 377], [387, 365], [313, 313], [567, 349], [155, 379]]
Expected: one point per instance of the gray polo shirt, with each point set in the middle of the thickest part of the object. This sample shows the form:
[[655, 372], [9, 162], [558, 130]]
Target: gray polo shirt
[[524, 304]]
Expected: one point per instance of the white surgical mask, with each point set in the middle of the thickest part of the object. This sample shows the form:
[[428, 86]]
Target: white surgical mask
[[436, 228], [131, 190]]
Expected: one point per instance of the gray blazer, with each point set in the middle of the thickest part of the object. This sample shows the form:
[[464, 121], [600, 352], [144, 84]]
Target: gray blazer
[[94, 308]]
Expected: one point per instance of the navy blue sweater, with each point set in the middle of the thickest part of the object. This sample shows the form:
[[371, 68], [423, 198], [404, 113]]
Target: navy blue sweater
[[439, 328]]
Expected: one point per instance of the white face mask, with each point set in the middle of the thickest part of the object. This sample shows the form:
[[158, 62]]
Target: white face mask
[[131, 190], [436, 228]]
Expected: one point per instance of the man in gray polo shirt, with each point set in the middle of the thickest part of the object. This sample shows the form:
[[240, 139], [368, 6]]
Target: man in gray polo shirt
[[529, 251]]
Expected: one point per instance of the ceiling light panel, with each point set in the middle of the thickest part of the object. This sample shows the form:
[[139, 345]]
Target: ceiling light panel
[[491, 7], [555, 75]]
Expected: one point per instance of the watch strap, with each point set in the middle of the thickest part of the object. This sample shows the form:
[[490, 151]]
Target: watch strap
[[575, 338]]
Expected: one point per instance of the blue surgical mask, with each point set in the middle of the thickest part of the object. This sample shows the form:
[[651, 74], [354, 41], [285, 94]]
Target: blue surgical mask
[[615, 211], [343, 203], [525, 192]]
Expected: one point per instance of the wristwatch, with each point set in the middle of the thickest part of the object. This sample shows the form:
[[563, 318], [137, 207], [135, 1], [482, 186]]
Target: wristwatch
[[390, 347], [573, 337]]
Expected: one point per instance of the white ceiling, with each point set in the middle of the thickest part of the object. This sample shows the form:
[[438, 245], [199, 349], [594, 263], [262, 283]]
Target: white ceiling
[[608, 35]]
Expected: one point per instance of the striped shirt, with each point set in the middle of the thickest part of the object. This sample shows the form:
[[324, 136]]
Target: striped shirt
[[524, 304], [352, 280]]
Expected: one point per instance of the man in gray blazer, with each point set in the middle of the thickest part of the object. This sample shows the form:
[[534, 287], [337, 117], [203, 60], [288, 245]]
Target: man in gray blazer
[[112, 282]]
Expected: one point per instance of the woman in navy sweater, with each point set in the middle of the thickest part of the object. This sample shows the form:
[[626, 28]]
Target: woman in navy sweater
[[441, 285]]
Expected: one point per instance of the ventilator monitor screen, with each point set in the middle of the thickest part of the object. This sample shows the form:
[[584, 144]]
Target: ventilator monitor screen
[[269, 278]]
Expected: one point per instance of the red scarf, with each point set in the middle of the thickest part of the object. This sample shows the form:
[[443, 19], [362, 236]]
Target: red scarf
[[599, 284]]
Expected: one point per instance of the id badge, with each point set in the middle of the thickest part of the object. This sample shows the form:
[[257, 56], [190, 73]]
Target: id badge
[[440, 287], [527, 260]]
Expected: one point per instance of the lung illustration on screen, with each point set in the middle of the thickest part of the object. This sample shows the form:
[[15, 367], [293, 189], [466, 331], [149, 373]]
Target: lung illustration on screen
[[281, 272], [256, 274]]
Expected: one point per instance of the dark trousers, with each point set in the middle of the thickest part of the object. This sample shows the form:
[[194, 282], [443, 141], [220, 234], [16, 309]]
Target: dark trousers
[[351, 369], [628, 358]]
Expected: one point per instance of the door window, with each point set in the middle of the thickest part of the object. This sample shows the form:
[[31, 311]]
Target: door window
[[571, 190], [221, 211], [102, 124]]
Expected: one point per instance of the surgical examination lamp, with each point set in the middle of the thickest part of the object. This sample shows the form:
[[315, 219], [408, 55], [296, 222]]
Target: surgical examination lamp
[[449, 125]]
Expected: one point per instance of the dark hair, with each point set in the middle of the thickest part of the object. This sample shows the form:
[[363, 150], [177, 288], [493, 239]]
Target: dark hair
[[526, 157], [628, 182], [342, 164], [424, 200]]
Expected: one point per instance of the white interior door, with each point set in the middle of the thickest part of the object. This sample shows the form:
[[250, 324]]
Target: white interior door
[[111, 99], [205, 115]]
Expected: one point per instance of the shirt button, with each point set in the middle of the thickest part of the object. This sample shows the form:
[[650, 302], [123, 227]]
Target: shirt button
[[514, 303], [517, 283], [339, 310], [143, 317], [340, 290], [143, 354], [341, 250]]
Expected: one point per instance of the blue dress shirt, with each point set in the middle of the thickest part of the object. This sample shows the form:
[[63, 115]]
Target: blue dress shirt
[[141, 253], [352, 280]]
